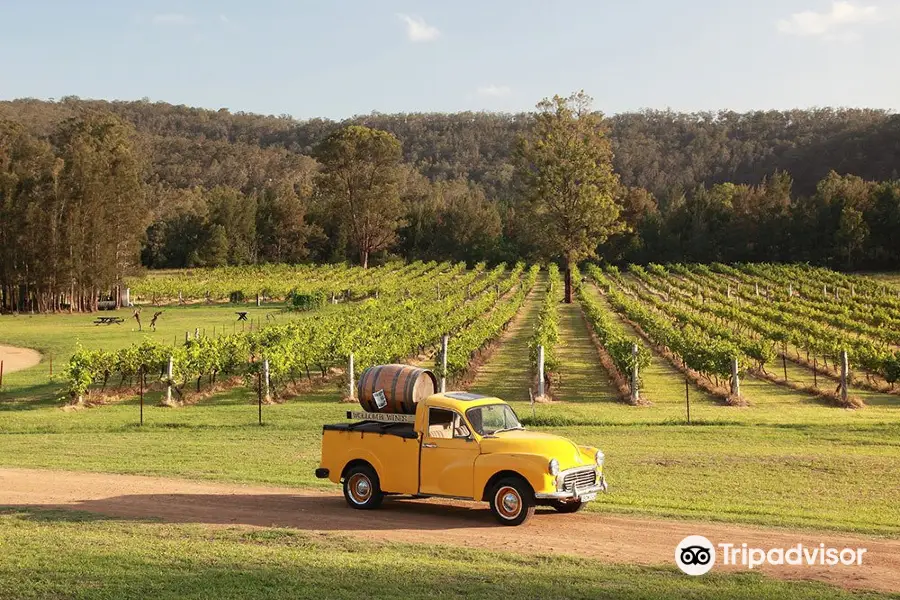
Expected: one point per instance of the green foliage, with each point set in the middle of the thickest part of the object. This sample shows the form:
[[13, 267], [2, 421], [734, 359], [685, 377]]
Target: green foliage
[[360, 176], [619, 347], [308, 301], [569, 186], [546, 330]]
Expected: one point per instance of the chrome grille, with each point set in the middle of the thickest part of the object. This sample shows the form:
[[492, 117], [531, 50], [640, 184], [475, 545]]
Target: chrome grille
[[583, 478]]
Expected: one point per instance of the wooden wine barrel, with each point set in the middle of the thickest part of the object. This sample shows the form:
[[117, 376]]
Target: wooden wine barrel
[[403, 386]]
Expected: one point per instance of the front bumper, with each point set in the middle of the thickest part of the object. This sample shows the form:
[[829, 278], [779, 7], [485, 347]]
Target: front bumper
[[575, 494]]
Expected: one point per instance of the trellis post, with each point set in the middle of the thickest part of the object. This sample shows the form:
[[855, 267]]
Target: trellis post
[[540, 371], [445, 341], [635, 391]]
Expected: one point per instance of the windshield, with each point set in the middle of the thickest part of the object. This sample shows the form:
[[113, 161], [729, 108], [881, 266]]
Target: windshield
[[493, 418]]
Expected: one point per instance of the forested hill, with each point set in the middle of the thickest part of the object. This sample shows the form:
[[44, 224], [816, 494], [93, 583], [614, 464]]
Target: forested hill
[[664, 152]]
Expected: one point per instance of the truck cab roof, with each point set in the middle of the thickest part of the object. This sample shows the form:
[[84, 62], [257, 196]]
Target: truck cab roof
[[461, 401]]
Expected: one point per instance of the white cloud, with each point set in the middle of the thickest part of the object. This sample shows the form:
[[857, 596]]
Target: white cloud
[[493, 91], [171, 19], [417, 30], [832, 24]]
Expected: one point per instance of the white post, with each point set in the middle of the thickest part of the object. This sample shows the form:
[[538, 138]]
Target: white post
[[728, 293], [757, 288], [351, 386], [790, 291], [257, 299], [197, 333], [837, 293], [127, 296], [735, 381], [824, 289], [540, 371], [445, 340], [169, 374], [845, 372], [635, 392], [266, 379]]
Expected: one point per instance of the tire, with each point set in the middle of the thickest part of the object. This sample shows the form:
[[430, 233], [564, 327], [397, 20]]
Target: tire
[[512, 501], [362, 490], [564, 507]]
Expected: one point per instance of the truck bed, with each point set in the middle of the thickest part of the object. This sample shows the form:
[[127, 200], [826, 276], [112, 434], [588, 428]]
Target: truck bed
[[391, 448], [404, 430]]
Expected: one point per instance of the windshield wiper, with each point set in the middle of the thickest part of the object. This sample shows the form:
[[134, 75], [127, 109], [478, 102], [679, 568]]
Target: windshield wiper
[[496, 431]]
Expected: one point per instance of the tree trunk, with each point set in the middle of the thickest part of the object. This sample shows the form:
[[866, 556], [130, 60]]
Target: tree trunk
[[364, 258], [568, 282]]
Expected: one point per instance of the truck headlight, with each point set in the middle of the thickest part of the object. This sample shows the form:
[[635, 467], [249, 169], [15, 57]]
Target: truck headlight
[[554, 466], [599, 458]]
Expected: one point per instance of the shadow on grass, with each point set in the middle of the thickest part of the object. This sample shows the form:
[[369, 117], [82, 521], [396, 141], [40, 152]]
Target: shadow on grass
[[301, 512], [32, 397]]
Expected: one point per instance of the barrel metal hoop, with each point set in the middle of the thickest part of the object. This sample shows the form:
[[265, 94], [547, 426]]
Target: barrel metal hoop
[[394, 398], [411, 385]]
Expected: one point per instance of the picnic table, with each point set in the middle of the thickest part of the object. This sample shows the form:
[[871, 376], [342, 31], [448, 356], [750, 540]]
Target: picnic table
[[109, 320], [242, 315]]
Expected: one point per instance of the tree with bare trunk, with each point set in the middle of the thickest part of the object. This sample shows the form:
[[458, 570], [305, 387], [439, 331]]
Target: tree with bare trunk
[[565, 173], [360, 180]]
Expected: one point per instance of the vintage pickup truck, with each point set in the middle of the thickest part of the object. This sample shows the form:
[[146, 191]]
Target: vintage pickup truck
[[459, 445]]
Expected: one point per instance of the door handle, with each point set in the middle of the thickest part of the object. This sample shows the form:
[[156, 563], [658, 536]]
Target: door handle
[[426, 445]]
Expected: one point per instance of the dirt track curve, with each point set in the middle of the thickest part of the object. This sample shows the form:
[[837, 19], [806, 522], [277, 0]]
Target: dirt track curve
[[610, 539], [18, 359]]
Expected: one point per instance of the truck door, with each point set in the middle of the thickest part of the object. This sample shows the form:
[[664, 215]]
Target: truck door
[[448, 456]]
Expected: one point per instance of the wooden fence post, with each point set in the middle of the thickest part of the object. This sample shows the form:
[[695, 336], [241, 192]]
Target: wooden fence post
[[635, 391], [169, 374], [141, 377], [845, 373], [351, 387], [687, 399], [266, 379]]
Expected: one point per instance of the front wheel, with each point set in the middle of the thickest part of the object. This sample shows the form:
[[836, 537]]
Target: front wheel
[[567, 506], [362, 489], [512, 501]]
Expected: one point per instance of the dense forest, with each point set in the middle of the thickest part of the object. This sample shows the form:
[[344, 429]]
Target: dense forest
[[208, 187]]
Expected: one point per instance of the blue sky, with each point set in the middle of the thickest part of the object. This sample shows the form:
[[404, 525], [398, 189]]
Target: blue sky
[[339, 58]]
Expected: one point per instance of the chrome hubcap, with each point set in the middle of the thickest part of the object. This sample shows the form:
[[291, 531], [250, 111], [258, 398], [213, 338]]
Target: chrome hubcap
[[360, 488], [508, 502]]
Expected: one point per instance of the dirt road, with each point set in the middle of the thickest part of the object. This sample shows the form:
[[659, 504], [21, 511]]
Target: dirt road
[[16, 359], [611, 539]]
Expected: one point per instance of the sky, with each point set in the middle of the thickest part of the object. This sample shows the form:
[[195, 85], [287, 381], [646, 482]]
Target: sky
[[338, 58]]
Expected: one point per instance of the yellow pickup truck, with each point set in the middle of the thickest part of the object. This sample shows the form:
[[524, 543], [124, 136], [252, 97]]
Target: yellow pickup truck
[[459, 445]]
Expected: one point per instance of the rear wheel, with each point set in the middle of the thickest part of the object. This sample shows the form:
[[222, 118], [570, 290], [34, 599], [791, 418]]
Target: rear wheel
[[564, 506], [362, 489], [512, 501]]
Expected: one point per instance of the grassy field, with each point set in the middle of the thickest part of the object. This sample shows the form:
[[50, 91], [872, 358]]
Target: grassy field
[[787, 460], [49, 554]]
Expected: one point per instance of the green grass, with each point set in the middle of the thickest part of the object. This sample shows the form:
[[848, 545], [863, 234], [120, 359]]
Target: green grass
[[54, 554], [56, 336], [787, 460], [508, 372]]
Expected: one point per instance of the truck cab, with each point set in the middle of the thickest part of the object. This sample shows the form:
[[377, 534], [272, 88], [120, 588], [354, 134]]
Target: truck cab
[[459, 445]]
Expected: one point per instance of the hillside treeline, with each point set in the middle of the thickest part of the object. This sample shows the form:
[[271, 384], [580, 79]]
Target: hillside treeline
[[214, 187]]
